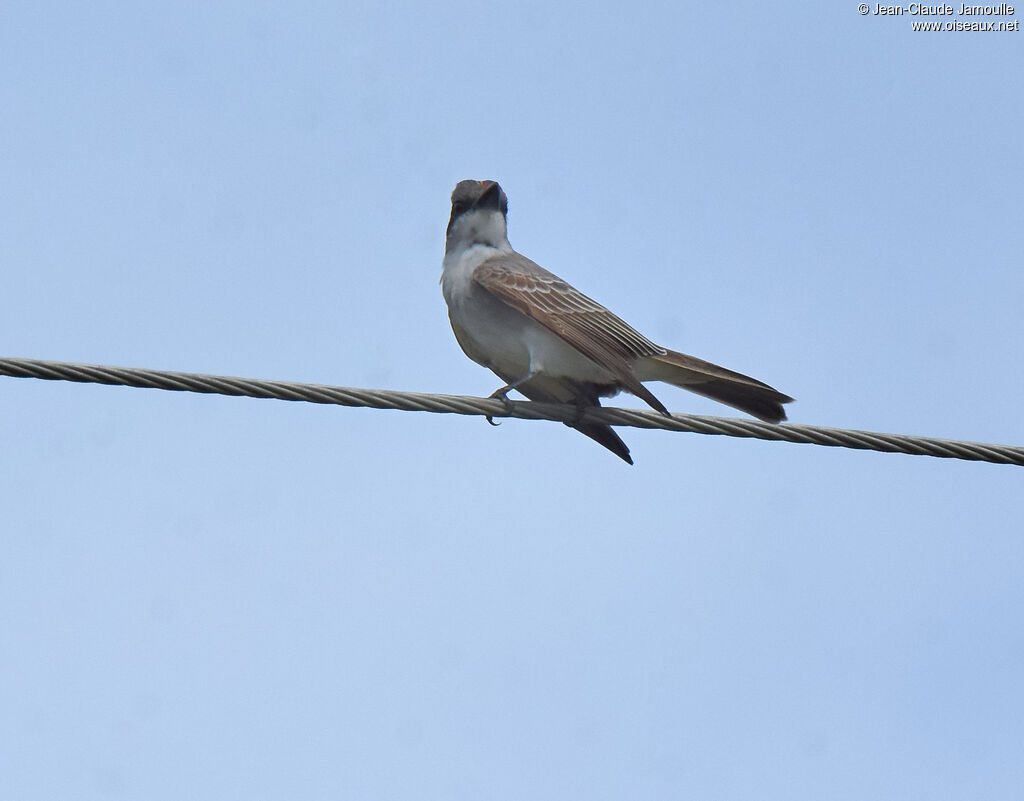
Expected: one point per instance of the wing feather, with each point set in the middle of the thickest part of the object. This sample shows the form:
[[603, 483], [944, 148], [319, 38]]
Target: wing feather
[[597, 333]]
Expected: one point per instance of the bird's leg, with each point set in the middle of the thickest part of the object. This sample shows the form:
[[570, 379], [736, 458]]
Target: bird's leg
[[581, 407], [502, 393]]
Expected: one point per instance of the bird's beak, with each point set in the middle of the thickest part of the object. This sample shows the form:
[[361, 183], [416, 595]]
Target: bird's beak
[[489, 196]]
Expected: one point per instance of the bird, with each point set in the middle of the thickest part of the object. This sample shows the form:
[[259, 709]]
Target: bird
[[550, 342]]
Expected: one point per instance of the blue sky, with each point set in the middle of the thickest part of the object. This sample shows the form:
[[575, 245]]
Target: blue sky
[[211, 597]]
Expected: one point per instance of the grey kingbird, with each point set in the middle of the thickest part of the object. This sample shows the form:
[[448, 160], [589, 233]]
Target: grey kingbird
[[551, 342]]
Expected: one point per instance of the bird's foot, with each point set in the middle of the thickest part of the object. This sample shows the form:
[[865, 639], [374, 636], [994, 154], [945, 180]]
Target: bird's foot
[[502, 395]]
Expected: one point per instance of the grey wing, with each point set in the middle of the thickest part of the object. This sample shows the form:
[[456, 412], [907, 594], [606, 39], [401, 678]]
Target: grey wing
[[597, 333]]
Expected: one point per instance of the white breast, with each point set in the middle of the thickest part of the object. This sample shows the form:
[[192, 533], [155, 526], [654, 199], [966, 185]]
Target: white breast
[[494, 334], [457, 271]]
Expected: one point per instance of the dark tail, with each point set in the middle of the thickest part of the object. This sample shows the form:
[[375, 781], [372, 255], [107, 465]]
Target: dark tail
[[604, 435], [550, 389], [726, 386]]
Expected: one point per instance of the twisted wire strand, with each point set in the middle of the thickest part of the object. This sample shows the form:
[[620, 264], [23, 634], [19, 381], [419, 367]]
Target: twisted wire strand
[[527, 410]]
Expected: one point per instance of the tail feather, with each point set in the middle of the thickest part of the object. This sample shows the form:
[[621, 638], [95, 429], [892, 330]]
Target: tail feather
[[553, 389], [605, 435], [726, 386]]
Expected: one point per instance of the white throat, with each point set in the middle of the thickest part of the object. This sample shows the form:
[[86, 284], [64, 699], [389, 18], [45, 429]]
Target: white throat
[[485, 227], [475, 237]]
